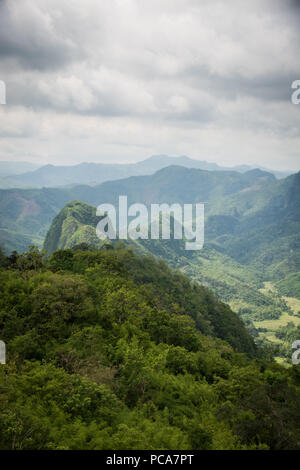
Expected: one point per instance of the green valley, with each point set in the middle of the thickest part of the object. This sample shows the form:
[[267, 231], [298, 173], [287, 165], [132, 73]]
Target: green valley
[[251, 231]]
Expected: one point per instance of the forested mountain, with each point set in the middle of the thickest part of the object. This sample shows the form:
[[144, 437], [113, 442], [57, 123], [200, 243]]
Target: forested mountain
[[28, 213], [235, 283], [251, 252], [97, 173], [248, 216], [74, 225], [109, 350]]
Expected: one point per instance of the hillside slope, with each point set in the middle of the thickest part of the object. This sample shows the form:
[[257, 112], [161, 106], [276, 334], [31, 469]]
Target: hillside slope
[[75, 224], [232, 282], [107, 350], [251, 229]]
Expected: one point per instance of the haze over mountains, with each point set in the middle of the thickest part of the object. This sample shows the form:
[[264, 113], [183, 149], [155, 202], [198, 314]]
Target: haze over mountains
[[96, 173], [230, 196], [27, 213], [252, 226], [251, 231], [10, 168]]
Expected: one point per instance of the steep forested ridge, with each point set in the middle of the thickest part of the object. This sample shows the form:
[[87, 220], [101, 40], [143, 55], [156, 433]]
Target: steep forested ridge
[[248, 216], [74, 224], [108, 350], [251, 255], [27, 213], [256, 237]]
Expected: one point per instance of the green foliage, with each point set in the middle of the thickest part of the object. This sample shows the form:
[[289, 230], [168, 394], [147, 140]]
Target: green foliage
[[289, 286], [3, 259], [108, 350]]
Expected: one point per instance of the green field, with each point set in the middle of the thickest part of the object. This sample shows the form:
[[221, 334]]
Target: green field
[[272, 325], [293, 303]]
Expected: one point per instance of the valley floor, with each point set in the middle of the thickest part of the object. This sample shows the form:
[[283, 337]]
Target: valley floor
[[267, 328]]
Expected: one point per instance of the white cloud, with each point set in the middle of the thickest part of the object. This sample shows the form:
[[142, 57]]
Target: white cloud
[[127, 78]]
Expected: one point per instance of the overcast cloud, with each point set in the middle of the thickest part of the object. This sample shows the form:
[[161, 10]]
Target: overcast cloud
[[120, 80]]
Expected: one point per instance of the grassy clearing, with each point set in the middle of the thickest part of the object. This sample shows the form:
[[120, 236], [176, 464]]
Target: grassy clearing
[[293, 303], [282, 361], [273, 325], [268, 288]]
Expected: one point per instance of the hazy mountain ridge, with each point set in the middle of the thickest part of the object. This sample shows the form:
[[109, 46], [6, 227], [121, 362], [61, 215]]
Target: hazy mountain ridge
[[234, 202], [172, 184], [97, 173], [251, 230], [251, 218], [10, 168]]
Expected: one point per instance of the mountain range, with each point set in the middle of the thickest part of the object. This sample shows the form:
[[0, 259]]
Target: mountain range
[[252, 226], [96, 173], [26, 214]]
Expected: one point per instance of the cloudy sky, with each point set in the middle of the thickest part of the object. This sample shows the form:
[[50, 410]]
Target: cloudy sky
[[120, 80]]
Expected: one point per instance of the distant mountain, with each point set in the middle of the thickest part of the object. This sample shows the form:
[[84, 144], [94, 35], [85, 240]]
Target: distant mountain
[[251, 217], [84, 173], [252, 229], [157, 162], [229, 196], [26, 215], [251, 232], [97, 173], [6, 183], [16, 168], [177, 184]]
